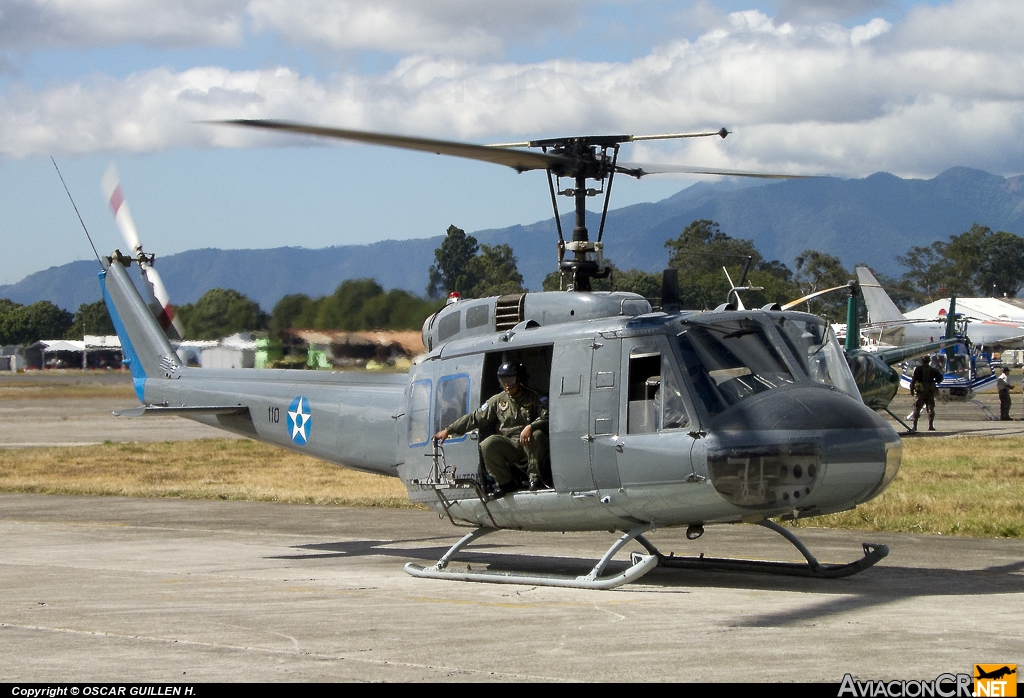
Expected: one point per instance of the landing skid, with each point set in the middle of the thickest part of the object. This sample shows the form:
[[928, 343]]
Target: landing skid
[[891, 414], [986, 410], [642, 564], [873, 552]]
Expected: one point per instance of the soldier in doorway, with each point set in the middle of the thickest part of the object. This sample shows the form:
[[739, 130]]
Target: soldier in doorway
[[521, 417]]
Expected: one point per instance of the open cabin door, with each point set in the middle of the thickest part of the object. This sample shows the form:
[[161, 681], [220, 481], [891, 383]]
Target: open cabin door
[[457, 392], [569, 415], [435, 399]]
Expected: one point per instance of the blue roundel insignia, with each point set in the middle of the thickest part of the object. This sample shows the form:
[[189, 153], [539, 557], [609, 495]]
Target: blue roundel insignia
[[300, 420]]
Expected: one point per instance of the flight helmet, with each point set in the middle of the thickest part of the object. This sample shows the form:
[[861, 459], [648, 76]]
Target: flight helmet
[[508, 374]]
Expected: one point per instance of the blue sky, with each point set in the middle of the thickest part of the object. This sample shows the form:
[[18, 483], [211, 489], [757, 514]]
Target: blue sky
[[834, 87]]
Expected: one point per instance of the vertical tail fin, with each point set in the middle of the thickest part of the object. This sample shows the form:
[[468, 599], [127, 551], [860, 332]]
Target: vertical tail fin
[[880, 306], [146, 350]]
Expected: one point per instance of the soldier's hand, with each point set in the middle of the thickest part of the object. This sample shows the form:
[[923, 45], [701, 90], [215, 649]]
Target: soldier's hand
[[524, 436], [440, 436]]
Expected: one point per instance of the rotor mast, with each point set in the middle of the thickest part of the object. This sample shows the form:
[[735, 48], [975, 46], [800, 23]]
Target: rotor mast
[[582, 158], [578, 158]]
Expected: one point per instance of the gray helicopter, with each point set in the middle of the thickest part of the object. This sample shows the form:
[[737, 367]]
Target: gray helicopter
[[656, 418]]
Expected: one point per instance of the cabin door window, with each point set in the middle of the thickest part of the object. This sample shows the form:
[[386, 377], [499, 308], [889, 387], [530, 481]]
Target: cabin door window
[[419, 413]]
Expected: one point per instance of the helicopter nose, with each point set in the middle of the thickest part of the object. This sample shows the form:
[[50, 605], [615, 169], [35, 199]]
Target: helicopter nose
[[804, 450]]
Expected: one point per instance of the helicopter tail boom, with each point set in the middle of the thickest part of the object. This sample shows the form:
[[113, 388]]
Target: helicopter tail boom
[[344, 418]]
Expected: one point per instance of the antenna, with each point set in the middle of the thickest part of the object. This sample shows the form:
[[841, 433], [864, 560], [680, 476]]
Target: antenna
[[76, 211]]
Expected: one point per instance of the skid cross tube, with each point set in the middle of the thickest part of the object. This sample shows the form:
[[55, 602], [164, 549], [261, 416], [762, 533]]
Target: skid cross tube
[[641, 565], [873, 552]]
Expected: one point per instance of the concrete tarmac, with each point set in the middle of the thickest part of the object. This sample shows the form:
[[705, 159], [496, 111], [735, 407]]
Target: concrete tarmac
[[162, 590]]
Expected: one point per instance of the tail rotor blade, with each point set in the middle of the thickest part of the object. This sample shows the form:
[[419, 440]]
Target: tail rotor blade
[[122, 216], [162, 308], [166, 316]]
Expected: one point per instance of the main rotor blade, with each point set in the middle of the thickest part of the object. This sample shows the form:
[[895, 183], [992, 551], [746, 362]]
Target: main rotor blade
[[606, 140], [642, 169], [722, 132], [798, 301], [518, 160]]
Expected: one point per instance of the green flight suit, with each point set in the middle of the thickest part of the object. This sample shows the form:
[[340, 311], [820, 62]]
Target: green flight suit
[[502, 451]]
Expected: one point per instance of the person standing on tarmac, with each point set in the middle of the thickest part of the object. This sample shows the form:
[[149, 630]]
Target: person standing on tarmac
[[924, 385], [1003, 386], [521, 417]]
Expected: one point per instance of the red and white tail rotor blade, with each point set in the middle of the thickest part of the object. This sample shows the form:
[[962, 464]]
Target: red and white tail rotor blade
[[119, 207], [167, 317], [165, 313]]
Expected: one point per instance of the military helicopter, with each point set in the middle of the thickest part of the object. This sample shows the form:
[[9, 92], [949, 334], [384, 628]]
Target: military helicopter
[[657, 418], [872, 366], [965, 367]]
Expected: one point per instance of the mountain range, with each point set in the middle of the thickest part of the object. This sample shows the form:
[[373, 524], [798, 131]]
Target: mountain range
[[869, 220]]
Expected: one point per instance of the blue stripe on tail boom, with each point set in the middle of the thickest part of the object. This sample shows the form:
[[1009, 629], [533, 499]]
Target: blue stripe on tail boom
[[131, 358]]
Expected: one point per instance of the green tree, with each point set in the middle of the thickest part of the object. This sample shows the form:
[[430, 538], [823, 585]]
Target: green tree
[[10, 321], [928, 269], [344, 309], [91, 318], [27, 324], [397, 310], [451, 271], [1001, 272], [817, 271], [636, 281], [221, 312], [356, 304], [700, 252], [287, 310], [978, 262], [494, 271]]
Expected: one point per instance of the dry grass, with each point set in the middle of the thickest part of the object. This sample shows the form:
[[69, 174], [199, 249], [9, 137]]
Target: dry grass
[[964, 486], [30, 390], [202, 469], [961, 486]]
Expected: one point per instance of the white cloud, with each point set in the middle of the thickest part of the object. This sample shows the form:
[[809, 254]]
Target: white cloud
[[826, 10], [867, 32], [440, 27], [446, 27], [986, 25], [27, 25], [814, 98]]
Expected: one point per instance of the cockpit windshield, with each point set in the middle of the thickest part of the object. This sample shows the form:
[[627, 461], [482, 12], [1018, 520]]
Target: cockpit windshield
[[814, 344], [728, 361]]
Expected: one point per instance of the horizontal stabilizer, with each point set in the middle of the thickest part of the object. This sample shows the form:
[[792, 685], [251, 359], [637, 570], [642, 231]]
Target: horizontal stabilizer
[[160, 411]]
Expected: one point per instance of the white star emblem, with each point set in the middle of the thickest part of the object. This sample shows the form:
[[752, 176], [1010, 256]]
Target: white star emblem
[[299, 416]]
